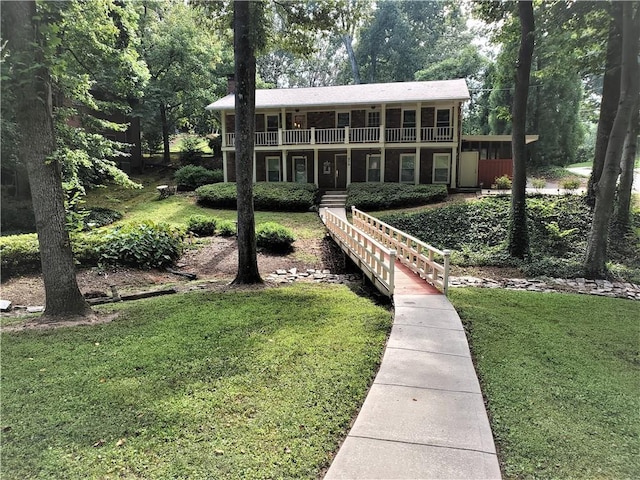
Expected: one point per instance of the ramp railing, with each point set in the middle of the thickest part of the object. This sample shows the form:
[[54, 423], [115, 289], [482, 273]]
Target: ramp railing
[[376, 260], [423, 259]]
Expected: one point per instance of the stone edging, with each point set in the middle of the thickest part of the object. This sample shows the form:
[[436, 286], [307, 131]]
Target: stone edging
[[602, 288]]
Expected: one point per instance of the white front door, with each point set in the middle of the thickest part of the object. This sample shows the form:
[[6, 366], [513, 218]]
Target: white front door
[[469, 169]]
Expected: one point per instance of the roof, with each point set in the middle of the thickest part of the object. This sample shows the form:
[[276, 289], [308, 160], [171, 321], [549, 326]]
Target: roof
[[497, 138], [363, 94]]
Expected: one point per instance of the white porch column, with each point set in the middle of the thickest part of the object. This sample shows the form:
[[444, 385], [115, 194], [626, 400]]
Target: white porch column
[[223, 121], [382, 155], [383, 122], [419, 122], [225, 175], [455, 126], [254, 167], [349, 166], [315, 167], [454, 167], [284, 166], [417, 179]]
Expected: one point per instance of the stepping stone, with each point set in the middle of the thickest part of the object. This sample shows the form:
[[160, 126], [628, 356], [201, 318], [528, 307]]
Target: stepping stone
[[5, 305]]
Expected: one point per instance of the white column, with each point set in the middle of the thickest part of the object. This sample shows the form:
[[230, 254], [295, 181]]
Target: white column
[[419, 122], [382, 155], [284, 166], [349, 166], [454, 166], [223, 121], [315, 167], [225, 175], [254, 167], [417, 179]]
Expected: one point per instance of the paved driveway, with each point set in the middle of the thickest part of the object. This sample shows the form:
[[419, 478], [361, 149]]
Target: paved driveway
[[586, 172]]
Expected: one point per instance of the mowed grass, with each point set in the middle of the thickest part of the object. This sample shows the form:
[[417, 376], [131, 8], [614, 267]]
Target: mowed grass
[[144, 204], [562, 377], [249, 384]]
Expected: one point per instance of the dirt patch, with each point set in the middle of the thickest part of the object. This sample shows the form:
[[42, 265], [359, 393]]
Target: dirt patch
[[212, 259]]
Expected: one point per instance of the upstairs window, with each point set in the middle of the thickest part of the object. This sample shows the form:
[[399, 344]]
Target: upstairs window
[[343, 119], [443, 118], [272, 123], [408, 118], [373, 119]]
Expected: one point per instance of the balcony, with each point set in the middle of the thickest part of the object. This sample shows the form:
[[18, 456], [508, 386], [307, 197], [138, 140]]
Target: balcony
[[348, 135]]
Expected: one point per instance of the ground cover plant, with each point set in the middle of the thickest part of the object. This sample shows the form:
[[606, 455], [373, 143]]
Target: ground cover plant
[[245, 384], [287, 197], [379, 196], [476, 231], [561, 376]]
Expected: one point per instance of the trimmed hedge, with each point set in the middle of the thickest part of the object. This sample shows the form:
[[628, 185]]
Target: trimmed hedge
[[274, 237], [190, 177], [382, 196], [283, 197], [202, 225]]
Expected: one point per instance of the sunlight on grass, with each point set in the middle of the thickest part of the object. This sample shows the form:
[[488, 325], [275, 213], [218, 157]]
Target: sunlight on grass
[[561, 374], [254, 384]]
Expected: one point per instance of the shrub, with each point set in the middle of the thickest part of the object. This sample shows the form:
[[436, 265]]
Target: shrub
[[191, 153], [19, 254], [190, 177], [503, 183], [570, 183], [274, 237], [144, 245], [380, 196], [288, 197], [100, 216], [538, 183], [201, 225], [226, 228]]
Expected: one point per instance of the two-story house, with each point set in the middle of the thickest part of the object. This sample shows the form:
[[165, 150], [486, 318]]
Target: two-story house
[[332, 136]]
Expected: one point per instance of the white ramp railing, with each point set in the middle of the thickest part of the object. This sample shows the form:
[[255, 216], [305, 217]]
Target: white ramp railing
[[375, 260], [420, 257]]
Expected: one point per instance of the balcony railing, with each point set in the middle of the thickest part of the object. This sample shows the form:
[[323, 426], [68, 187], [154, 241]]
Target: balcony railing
[[333, 136]]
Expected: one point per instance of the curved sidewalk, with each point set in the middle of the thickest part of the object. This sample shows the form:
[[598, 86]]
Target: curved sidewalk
[[424, 416]]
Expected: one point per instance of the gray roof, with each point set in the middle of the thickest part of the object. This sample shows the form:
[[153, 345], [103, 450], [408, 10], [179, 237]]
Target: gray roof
[[376, 93]]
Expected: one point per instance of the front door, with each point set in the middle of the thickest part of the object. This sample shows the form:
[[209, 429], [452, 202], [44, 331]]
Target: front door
[[340, 175], [300, 169], [469, 169]]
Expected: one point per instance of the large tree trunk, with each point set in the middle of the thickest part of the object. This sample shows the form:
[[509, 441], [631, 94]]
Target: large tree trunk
[[348, 44], [610, 97], [625, 186], [245, 72], [518, 234], [166, 155], [35, 119], [595, 260]]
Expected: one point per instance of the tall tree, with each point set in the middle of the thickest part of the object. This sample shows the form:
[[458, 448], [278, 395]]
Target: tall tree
[[26, 39], [246, 22], [610, 97], [518, 233], [625, 186], [596, 256]]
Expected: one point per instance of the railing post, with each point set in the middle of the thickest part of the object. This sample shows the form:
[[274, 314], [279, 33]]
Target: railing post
[[392, 270], [346, 134], [445, 280], [313, 135], [279, 136], [381, 139]]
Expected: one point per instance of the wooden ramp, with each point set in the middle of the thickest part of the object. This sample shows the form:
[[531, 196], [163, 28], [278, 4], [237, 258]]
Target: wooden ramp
[[395, 262]]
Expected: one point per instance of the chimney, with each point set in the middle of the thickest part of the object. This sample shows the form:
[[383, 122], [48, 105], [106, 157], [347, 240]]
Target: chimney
[[231, 84]]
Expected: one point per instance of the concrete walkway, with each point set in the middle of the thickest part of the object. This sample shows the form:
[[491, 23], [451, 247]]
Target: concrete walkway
[[424, 416]]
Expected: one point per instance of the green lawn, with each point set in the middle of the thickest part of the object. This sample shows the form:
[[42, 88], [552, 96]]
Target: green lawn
[[144, 204], [258, 384], [562, 377]]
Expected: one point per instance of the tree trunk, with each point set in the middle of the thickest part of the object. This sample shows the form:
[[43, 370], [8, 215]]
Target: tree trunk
[[625, 186], [166, 155], [609, 102], [596, 257], [348, 44], [518, 234], [245, 72], [35, 119]]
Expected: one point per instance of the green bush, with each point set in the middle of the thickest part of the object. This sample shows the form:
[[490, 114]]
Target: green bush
[[100, 216], [287, 197], [380, 196], [226, 228], [19, 254], [538, 183], [191, 153], [190, 177], [201, 225], [143, 245], [570, 183], [503, 182], [274, 237]]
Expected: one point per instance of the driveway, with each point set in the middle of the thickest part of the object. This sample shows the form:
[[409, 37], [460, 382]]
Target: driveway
[[586, 172]]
